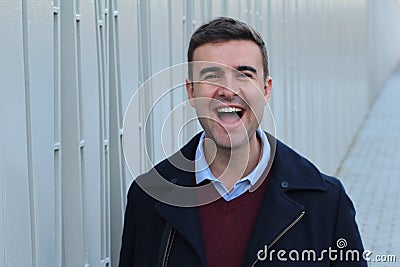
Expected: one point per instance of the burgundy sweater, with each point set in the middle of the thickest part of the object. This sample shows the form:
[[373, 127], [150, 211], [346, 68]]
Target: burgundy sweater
[[226, 227]]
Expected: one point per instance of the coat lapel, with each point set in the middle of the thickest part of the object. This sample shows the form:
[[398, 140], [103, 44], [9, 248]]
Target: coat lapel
[[276, 213], [185, 220], [289, 171], [187, 223]]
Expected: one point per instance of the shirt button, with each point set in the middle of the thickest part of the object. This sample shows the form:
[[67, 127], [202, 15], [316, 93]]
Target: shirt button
[[284, 184]]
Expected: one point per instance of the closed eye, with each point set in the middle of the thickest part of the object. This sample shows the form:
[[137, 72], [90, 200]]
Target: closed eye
[[211, 76], [245, 75], [247, 71]]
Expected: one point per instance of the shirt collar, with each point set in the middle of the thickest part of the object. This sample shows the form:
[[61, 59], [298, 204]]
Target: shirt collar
[[203, 171]]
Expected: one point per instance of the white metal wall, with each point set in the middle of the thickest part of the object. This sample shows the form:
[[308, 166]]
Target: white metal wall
[[383, 43], [69, 68], [319, 65]]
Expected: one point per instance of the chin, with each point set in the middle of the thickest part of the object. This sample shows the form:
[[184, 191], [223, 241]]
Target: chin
[[231, 141]]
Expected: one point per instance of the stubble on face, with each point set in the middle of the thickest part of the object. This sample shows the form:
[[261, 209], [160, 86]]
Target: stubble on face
[[229, 94], [229, 78]]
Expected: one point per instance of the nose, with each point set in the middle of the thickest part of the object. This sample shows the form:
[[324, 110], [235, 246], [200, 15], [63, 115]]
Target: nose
[[227, 90]]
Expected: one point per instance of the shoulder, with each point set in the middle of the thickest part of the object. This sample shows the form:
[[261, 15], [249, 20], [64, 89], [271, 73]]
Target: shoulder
[[333, 182], [302, 175], [174, 169]]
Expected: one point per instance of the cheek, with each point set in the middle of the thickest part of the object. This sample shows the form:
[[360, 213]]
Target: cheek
[[255, 93], [257, 106], [202, 106]]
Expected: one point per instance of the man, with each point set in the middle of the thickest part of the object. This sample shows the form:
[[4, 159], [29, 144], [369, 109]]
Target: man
[[274, 208]]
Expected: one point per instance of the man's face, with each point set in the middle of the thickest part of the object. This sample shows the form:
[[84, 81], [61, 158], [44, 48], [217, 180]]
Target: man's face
[[229, 91]]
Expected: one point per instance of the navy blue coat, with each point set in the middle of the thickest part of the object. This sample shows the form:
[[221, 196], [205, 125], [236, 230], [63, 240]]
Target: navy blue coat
[[304, 213]]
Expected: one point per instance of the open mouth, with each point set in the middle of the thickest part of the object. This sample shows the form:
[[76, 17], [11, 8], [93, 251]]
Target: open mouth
[[230, 114]]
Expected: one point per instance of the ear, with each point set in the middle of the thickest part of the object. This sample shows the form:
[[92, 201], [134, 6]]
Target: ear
[[267, 89], [190, 91]]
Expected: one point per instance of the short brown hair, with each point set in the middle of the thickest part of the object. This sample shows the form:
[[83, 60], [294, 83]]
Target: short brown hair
[[225, 29]]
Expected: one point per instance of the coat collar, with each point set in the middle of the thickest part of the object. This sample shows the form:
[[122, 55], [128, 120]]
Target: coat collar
[[293, 171], [289, 171]]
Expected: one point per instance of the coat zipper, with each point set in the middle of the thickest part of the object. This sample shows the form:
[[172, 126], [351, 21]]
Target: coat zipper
[[171, 238], [281, 234]]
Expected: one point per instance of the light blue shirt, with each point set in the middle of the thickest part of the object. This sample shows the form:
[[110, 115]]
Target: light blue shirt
[[203, 171]]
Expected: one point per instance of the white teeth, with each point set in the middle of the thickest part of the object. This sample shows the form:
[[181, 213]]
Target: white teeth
[[229, 109]]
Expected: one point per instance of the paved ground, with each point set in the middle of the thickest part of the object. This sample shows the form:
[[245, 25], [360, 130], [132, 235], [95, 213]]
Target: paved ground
[[371, 174]]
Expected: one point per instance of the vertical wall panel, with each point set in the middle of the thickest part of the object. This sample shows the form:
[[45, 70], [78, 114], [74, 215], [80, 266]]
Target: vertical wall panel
[[16, 208], [201, 11], [217, 8], [128, 46], [72, 199], [102, 43], [92, 136], [28, 123], [117, 168], [177, 55], [129, 82], [58, 244], [160, 59], [129, 71], [145, 72], [41, 96], [189, 25]]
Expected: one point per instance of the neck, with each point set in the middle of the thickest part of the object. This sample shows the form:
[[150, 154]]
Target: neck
[[231, 164]]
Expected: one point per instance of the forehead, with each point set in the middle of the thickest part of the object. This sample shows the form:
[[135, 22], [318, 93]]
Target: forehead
[[232, 53]]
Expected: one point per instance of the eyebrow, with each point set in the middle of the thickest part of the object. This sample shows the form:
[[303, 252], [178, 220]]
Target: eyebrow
[[209, 69], [245, 67]]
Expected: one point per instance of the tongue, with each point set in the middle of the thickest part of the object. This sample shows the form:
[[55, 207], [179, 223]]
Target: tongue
[[230, 117]]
